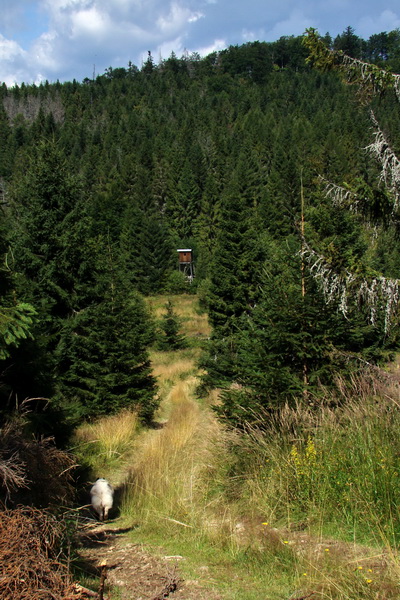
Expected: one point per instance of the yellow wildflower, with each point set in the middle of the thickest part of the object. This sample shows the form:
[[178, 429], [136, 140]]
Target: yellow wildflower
[[311, 452]]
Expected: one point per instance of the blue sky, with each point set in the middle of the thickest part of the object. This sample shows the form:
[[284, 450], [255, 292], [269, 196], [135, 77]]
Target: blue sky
[[67, 39]]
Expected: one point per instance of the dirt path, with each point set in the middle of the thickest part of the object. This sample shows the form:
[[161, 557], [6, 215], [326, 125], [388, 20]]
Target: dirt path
[[135, 572]]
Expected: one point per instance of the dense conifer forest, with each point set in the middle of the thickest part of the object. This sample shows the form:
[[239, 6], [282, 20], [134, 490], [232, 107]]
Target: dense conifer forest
[[103, 180]]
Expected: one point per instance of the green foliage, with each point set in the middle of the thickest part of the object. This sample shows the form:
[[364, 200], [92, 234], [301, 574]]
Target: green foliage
[[48, 221], [102, 359], [95, 332], [177, 283], [15, 325], [373, 78], [18, 319], [170, 337], [236, 261], [319, 55], [331, 466]]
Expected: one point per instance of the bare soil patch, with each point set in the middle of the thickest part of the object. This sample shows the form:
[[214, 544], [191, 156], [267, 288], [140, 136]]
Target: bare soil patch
[[136, 572]]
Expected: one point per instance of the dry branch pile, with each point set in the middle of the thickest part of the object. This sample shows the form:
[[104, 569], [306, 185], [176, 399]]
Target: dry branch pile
[[31, 563], [33, 471]]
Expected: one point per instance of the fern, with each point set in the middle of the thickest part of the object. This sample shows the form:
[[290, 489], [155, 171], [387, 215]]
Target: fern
[[15, 325]]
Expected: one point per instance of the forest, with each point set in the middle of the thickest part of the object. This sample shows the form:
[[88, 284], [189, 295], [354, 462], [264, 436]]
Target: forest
[[230, 155], [276, 164]]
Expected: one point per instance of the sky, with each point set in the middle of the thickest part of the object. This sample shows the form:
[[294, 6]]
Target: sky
[[73, 39]]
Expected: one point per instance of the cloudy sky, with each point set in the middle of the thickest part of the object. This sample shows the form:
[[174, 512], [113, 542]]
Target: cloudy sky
[[67, 39]]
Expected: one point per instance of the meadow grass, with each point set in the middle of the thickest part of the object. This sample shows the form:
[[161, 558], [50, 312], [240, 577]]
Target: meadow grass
[[105, 445], [335, 466], [323, 483], [176, 464], [277, 509], [194, 322]]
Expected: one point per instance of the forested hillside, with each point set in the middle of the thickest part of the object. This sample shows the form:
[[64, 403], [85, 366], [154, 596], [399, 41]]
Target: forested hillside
[[102, 181]]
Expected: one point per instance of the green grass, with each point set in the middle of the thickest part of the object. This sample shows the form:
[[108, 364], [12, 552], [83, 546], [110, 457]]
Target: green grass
[[340, 468], [194, 322], [241, 575]]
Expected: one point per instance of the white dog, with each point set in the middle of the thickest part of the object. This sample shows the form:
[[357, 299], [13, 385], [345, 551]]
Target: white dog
[[102, 498]]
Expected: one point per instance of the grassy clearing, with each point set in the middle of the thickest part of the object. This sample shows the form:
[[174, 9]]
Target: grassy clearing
[[312, 509], [174, 464], [168, 373], [307, 503]]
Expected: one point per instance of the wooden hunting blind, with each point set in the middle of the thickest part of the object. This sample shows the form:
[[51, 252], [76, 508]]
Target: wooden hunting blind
[[185, 255], [186, 262]]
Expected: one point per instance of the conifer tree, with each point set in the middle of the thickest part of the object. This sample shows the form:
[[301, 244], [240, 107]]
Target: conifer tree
[[93, 331], [170, 338], [292, 343], [234, 276], [46, 215], [22, 364], [379, 293], [102, 357]]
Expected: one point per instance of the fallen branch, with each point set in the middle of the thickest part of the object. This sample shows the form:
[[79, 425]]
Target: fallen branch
[[171, 587], [103, 577], [177, 522]]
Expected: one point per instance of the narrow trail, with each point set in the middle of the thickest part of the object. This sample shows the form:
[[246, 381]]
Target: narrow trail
[[136, 571]]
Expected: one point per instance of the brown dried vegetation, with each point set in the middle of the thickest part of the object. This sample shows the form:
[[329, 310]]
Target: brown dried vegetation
[[31, 564], [33, 471]]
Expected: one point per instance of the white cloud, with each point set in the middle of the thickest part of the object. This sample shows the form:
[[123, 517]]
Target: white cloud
[[216, 45], [175, 19], [90, 22], [195, 17], [248, 35], [15, 61], [42, 53], [165, 50], [9, 49], [386, 21], [295, 24]]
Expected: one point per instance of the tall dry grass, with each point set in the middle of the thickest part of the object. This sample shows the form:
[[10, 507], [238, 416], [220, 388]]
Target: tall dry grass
[[106, 445], [177, 468], [168, 372], [195, 323]]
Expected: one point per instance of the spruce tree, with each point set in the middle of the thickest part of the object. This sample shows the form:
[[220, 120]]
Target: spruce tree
[[292, 345], [47, 220], [234, 277], [94, 333], [103, 361], [23, 365], [170, 338]]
